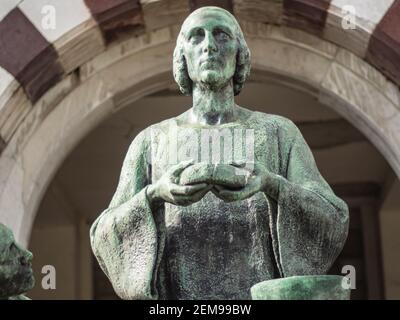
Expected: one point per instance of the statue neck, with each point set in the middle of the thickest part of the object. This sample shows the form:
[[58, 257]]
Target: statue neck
[[213, 107]]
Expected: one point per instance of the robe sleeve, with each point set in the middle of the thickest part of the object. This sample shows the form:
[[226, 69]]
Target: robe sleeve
[[310, 223], [124, 236]]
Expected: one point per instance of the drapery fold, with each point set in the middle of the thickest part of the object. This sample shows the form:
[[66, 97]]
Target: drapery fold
[[309, 222], [124, 237]]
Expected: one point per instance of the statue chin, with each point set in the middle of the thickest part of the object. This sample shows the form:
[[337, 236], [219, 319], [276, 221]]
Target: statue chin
[[21, 281], [212, 80], [28, 280]]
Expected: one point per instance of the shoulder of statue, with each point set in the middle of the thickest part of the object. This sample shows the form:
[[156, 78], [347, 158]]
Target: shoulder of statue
[[144, 136], [280, 123], [142, 143]]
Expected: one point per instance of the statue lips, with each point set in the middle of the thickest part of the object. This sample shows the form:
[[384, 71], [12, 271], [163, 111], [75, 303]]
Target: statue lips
[[209, 62], [25, 270], [26, 264]]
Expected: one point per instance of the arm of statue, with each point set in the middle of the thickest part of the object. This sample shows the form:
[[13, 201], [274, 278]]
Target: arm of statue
[[125, 238], [309, 222]]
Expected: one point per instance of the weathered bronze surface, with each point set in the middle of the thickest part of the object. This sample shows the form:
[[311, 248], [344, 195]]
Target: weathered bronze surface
[[219, 198], [322, 287], [16, 275]]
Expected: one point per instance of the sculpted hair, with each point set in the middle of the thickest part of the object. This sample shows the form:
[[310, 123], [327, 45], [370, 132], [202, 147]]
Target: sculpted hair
[[242, 71]]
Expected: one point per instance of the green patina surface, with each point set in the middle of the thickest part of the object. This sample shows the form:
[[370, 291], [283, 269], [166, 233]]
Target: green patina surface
[[322, 287], [16, 276], [195, 219]]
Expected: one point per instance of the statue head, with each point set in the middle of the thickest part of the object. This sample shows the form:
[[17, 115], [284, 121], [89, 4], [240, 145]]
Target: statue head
[[211, 51], [16, 275]]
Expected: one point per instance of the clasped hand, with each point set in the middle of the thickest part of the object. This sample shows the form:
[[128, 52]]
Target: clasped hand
[[168, 189]]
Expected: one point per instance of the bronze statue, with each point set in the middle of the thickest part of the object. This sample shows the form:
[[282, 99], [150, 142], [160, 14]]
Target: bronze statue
[[219, 198], [16, 275]]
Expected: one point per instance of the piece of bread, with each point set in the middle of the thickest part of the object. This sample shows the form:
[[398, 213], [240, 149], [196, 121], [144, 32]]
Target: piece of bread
[[216, 174], [229, 176]]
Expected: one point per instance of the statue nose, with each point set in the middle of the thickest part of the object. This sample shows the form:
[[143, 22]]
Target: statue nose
[[209, 45], [210, 49], [26, 256]]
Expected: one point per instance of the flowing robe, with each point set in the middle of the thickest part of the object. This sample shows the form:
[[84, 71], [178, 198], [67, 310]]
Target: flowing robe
[[213, 249]]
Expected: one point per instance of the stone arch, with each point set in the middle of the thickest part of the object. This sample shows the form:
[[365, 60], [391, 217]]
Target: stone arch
[[107, 57]]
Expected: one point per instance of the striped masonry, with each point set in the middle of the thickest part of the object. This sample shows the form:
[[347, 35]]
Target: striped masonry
[[116, 16], [34, 57], [27, 55], [384, 46], [309, 15]]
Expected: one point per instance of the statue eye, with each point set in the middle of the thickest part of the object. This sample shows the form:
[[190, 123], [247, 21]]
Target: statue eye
[[221, 35], [196, 35]]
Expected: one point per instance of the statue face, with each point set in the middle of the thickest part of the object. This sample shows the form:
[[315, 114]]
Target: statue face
[[16, 275], [210, 47]]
